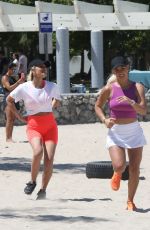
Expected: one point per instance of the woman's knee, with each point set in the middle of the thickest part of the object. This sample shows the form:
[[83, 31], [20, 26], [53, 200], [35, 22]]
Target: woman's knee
[[10, 121], [10, 118], [48, 166], [38, 153], [119, 166], [134, 170]]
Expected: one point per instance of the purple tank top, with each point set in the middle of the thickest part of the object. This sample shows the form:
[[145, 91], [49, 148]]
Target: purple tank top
[[122, 109]]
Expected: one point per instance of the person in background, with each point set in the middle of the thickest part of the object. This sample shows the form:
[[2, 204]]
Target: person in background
[[15, 60], [22, 65], [40, 97], [9, 83], [125, 100], [4, 61]]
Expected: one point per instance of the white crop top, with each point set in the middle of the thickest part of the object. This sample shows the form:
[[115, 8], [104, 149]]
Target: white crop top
[[36, 100]]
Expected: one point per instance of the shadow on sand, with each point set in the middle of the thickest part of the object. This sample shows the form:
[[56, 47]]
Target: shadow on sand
[[85, 199], [24, 164], [30, 215], [141, 210]]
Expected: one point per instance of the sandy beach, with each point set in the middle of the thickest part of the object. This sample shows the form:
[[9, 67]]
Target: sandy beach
[[73, 201]]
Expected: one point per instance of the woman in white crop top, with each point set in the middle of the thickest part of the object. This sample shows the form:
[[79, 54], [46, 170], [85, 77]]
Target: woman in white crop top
[[40, 97]]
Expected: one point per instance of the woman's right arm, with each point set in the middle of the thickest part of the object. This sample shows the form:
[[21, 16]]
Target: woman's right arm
[[7, 85], [11, 104], [101, 101]]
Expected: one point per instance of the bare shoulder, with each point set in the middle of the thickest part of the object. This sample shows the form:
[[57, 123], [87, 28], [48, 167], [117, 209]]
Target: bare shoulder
[[4, 79], [105, 92], [139, 86], [106, 89]]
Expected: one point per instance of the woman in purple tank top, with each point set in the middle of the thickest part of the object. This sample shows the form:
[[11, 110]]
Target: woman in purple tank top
[[125, 100]]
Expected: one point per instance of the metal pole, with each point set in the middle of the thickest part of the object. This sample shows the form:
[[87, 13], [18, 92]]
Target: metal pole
[[62, 59], [97, 72], [46, 53]]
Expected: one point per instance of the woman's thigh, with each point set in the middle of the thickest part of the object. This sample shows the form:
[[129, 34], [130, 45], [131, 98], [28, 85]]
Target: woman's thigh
[[9, 114], [117, 155], [37, 146], [49, 149], [135, 156]]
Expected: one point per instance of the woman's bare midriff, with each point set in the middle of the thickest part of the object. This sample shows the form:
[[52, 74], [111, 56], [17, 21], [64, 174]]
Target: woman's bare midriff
[[125, 120], [42, 114]]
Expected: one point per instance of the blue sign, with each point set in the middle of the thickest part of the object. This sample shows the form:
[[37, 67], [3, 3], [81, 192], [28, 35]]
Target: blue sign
[[45, 22]]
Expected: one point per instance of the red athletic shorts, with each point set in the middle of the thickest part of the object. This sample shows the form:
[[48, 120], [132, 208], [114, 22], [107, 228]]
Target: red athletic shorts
[[44, 127]]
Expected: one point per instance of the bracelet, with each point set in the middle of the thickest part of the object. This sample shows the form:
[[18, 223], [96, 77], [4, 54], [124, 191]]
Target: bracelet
[[132, 102]]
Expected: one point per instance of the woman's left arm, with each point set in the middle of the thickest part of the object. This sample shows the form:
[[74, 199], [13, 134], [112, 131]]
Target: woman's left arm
[[55, 103], [11, 104], [56, 96], [140, 107]]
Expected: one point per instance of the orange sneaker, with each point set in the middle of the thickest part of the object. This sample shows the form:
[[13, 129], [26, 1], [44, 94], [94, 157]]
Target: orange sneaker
[[115, 181], [131, 206]]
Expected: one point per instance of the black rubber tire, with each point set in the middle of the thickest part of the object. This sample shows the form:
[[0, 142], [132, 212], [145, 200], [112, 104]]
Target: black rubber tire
[[103, 170]]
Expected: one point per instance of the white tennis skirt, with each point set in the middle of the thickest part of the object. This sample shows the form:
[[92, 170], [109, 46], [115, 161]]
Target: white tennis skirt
[[127, 136]]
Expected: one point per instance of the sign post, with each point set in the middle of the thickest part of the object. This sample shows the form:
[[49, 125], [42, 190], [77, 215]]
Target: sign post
[[45, 34]]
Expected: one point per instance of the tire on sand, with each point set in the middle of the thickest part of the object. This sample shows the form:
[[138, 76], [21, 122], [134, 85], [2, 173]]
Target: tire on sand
[[103, 170]]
